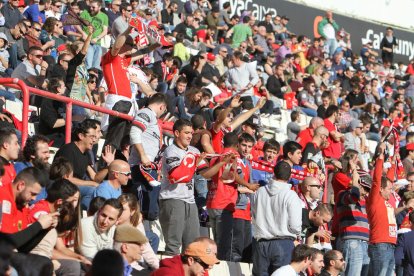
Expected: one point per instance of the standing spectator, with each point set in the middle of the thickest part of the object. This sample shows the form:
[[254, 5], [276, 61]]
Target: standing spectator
[[352, 139], [334, 263], [301, 260], [241, 33], [335, 138], [98, 230], [146, 143], [381, 218], [408, 161], [178, 211], [99, 21], [273, 241], [11, 13], [327, 28], [388, 43], [353, 225], [242, 76]]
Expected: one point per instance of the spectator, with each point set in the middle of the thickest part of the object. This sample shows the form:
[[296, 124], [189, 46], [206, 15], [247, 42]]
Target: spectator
[[118, 176], [335, 137], [197, 258], [301, 260], [327, 28], [9, 152], [120, 22], [269, 251], [403, 256], [99, 21], [109, 262], [11, 13], [240, 33], [129, 242], [35, 12], [310, 192], [242, 76], [388, 44], [98, 231], [334, 263], [383, 227]]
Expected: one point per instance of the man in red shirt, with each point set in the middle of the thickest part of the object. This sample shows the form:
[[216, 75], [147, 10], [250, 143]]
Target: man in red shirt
[[381, 218], [9, 151], [334, 150], [221, 200], [305, 136], [13, 202], [115, 65]]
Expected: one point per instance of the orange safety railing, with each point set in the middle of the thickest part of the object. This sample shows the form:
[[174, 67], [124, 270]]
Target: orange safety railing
[[26, 91]]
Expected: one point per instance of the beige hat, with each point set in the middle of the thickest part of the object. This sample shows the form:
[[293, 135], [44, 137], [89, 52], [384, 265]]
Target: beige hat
[[129, 234], [202, 251]]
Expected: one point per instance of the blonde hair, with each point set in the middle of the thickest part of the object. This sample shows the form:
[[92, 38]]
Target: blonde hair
[[133, 205]]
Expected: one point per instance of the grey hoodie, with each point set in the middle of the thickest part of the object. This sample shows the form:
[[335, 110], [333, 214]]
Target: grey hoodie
[[276, 212]]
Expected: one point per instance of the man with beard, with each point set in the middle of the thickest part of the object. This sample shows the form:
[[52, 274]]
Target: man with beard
[[14, 200], [9, 151], [98, 230], [36, 154]]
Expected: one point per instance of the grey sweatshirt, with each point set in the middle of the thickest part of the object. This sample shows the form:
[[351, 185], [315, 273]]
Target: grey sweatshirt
[[276, 212]]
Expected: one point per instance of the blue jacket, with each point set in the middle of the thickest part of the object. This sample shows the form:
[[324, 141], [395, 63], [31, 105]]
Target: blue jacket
[[404, 253]]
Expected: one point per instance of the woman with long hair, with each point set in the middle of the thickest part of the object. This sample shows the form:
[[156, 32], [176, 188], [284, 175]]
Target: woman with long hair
[[132, 216], [347, 174]]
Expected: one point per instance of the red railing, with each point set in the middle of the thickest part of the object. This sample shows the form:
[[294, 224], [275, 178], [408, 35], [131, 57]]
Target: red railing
[[26, 91]]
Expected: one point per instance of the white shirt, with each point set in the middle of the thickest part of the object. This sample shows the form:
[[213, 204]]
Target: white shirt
[[286, 270]]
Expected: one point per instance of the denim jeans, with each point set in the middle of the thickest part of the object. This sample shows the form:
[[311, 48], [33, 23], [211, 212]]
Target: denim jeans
[[332, 45], [269, 255], [7, 95], [382, 259], [221, 222], [200, 185], [309, 111], [93, 56], [356, 256], [86, 193]]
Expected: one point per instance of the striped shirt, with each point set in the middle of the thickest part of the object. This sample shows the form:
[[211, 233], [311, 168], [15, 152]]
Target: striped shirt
[[352, 215]]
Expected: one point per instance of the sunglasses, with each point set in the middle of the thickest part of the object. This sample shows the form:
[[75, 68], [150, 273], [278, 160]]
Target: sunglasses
[[316, 186], [129, 10], [124, 173], [38, 56], [203, 264], [38, 30]]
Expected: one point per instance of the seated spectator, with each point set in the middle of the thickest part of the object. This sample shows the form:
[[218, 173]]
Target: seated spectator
[[118, 176], [301, 260], [293, 127], [108, 262], [52, 115], [98, 231], [334, 263], [198, 258], [129, 241]]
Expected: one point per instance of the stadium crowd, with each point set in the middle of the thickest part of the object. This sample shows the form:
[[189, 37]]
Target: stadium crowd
[[206, 79]]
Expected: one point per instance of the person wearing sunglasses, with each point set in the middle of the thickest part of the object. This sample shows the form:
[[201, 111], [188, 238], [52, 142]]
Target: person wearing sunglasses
[[15, 38], [334, 263], [54, 9], [118, 176], [197, 259], [121, 22]]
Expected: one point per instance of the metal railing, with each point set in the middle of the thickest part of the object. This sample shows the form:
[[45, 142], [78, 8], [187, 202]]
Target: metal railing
[[26, 91]]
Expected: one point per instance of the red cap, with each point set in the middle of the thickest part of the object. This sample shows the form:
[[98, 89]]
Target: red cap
[[410, 146], [388, 90], [211, 57], [61, 48]]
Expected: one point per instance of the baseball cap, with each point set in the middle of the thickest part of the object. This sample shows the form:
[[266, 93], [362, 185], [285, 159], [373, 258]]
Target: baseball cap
[[202, 251], [388, 90], [365, 180], [211, 57], [285, 17], [148, 12], [129, 234]]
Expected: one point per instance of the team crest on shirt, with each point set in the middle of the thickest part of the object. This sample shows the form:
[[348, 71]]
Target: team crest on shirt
[[172, 159], [144, 116]]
